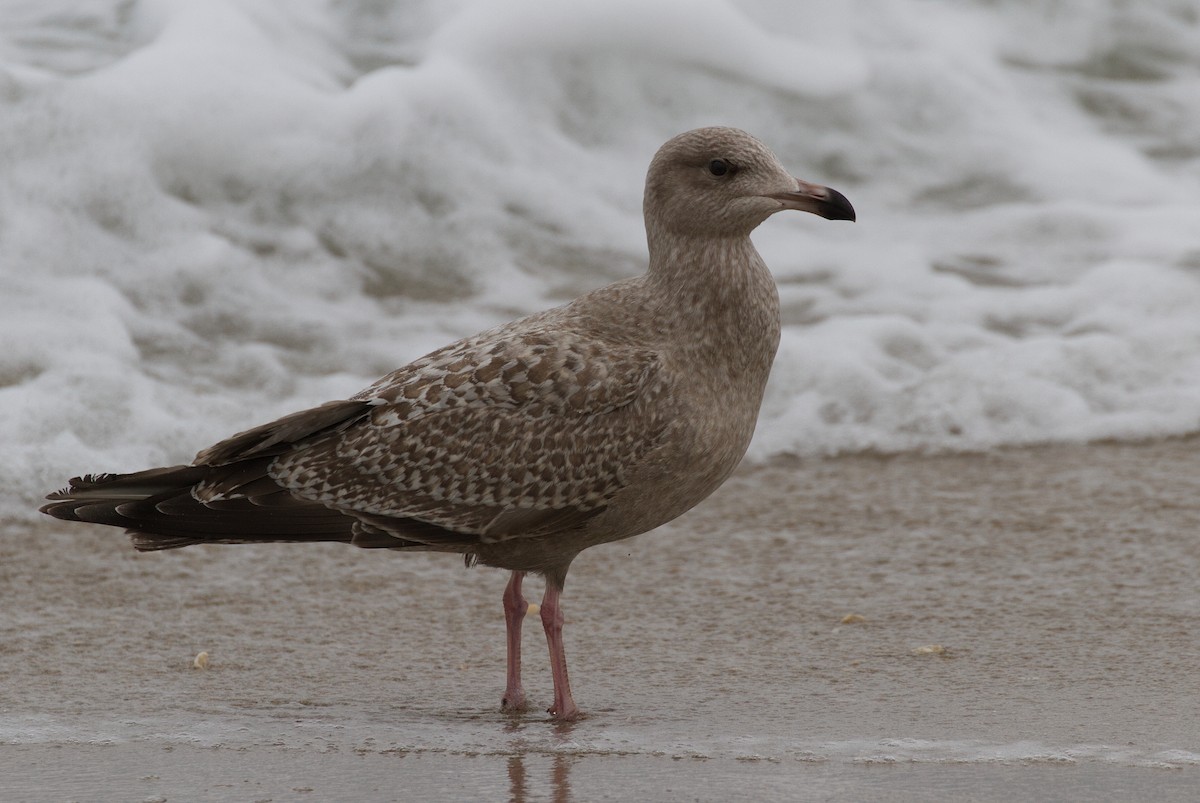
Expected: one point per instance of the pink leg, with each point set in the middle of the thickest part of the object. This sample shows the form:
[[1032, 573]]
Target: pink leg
[[564, 708], [515, 607]]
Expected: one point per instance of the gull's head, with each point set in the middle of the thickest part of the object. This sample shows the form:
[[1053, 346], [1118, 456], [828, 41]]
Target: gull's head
[[722, 182]]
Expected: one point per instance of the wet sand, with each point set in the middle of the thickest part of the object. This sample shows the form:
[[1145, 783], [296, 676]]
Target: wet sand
[[1057, 590]]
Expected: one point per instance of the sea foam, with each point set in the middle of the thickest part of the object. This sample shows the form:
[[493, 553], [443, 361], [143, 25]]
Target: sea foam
[[213, 213]]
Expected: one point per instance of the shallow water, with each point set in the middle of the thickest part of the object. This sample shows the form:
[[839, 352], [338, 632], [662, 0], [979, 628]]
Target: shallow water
[[1055, 588], [140, 772]]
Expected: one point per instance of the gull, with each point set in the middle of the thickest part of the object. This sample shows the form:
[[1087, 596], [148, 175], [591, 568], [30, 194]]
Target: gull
[[525, 444]]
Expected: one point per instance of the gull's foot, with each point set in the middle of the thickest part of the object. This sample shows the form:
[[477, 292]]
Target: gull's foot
[[513, 702], [570, 713]]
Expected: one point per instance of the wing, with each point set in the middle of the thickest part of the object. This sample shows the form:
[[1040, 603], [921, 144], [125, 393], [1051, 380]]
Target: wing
[[491, 438], [283, 434]]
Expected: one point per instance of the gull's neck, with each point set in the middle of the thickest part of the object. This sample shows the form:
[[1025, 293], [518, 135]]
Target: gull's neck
[[720, 293]]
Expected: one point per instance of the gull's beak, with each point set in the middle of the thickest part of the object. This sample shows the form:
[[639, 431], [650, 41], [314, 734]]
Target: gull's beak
[[824, 201]]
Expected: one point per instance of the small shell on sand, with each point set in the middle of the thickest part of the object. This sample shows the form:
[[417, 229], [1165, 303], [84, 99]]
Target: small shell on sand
[[534, 608], [930, 649], [201, 661], [853, 619]]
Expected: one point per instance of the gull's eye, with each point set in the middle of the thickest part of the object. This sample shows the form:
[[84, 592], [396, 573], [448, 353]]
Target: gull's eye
[[720, 167]]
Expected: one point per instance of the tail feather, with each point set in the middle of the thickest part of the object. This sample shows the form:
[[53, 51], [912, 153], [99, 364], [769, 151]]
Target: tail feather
[[229, 497], [226, 497], [138, 485], [159, 508]]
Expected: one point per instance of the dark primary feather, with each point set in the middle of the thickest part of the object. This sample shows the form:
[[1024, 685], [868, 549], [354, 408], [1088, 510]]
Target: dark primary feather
[[282, 434], [159, 511]]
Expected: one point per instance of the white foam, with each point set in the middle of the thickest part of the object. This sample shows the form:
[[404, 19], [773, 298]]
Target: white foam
[[214, 213]]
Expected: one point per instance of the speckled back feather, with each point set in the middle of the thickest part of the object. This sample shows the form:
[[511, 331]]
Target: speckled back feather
[[514, 432]]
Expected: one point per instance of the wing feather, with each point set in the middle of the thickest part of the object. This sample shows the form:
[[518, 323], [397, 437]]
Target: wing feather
[[501, 439]]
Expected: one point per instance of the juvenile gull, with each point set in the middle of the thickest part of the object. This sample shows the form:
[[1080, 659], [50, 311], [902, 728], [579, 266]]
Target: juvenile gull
[[525, 444]]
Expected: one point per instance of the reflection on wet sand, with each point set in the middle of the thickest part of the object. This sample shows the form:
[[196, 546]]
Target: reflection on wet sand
[[518, 773], [559, 779]]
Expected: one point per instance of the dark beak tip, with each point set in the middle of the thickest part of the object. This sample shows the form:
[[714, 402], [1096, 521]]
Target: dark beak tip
[[837, 207]]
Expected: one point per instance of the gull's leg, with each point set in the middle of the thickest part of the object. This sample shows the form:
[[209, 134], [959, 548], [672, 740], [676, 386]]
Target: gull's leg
[[564, 708], [515, 607]]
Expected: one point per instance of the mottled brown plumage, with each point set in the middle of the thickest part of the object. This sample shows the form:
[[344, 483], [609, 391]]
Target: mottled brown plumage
[[523, 445]]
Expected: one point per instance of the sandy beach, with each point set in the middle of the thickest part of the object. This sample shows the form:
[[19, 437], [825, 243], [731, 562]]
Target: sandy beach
[[1018, 624]]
